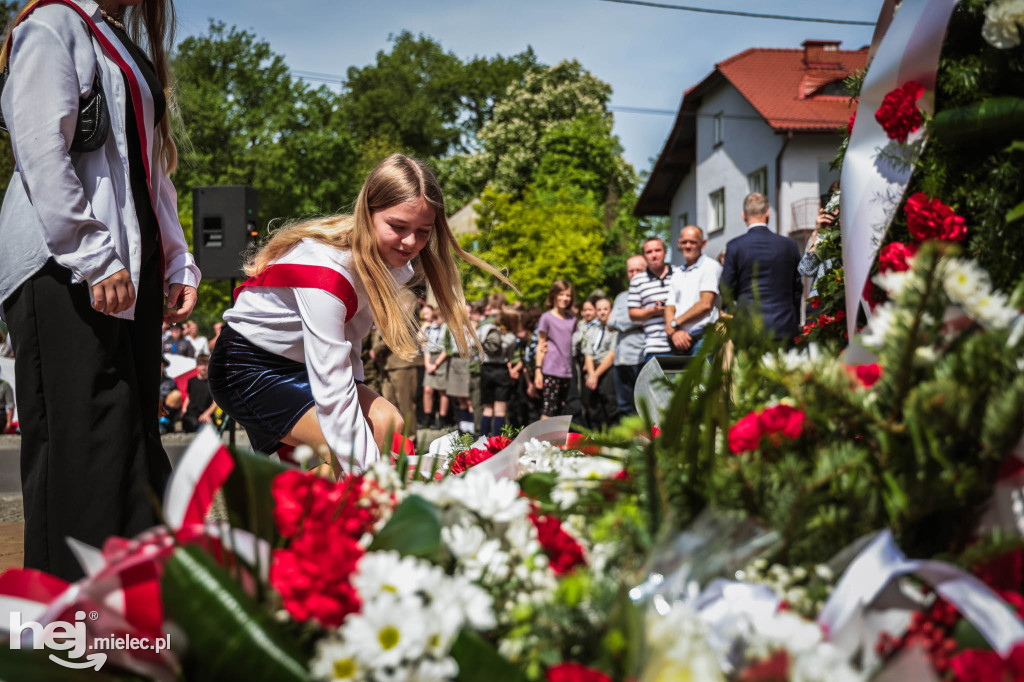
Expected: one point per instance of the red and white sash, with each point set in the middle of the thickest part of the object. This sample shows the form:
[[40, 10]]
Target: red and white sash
[[296, 275]]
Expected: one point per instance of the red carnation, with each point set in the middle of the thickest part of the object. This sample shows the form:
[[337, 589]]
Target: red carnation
[[561, 548], [929, 218], [575, 672], [894, 256], [849, 126], [867, 375], [899, 114], [745, 435], [313, 577], [498, 443], [783, 419], [978, 665]]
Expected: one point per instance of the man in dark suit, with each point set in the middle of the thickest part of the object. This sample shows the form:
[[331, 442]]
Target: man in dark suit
[[761, 272]]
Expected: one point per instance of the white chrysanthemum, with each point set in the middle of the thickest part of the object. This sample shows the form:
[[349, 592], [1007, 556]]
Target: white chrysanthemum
[[464, 540], [336, 660], [430, 670], [389, 572], [385, 476], [538, 456], [964, 281], [388, 631], [498, 501], [521, 536], [991, 310], [1003, 23], [878, 328], [473, 603], [893, 282]]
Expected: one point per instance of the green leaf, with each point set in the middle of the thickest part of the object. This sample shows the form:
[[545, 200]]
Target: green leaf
[[896, 499], [247, 494], [413, 530], [480, 662], [539, 485], [968, 637], [229, 635], [1015, 213], [991, 121], [35, 664]]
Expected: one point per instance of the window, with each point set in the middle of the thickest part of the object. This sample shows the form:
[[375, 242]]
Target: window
[[719, 132], [717, 199], [758, 181], [684, 220]]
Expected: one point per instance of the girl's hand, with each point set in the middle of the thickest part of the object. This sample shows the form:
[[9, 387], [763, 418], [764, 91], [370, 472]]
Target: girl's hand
[[538, 380]]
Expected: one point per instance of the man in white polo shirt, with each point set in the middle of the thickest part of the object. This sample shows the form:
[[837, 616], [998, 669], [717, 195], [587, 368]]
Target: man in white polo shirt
[[694, 298]]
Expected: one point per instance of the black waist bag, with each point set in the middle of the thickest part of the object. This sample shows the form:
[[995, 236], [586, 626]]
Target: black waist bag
[[93, 118]]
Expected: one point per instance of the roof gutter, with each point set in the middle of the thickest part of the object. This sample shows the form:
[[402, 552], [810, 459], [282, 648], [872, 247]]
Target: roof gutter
[[778, 182]]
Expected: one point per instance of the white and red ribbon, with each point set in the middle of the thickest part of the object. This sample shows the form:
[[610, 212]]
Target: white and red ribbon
[[872, 187]]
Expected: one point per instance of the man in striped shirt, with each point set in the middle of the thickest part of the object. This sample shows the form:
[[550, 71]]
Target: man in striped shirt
[[648, 292]]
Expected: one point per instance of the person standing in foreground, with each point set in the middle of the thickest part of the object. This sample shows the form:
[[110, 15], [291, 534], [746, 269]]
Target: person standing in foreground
[[287, 366], [91, 246], [693, 296], [629, 342], [761, 272], [648, 292]]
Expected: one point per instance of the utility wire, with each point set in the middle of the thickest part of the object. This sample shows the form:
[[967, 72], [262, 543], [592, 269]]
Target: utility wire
[[734, 13]]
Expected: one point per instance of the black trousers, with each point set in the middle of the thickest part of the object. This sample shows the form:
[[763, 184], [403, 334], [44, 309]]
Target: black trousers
[[601, 403], [92, 464]]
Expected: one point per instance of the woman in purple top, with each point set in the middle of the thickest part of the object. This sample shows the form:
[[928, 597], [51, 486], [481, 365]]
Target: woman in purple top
[[554, 350]]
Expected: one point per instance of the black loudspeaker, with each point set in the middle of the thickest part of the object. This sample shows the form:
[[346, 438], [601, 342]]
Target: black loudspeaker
[[225, 224]]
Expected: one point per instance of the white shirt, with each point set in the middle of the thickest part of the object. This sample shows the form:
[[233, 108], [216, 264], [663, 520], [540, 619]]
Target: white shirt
[[78, 208], [308, 326], [687, 283]]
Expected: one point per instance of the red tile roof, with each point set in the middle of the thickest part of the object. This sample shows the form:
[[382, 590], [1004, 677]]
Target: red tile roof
[[780, 86], [783, 85]]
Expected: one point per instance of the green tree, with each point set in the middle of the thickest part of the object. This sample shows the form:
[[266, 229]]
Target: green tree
[[537, 239], [409, 95]]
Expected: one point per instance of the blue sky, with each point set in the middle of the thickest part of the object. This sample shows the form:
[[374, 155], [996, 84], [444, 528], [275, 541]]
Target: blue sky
[[648, 55]]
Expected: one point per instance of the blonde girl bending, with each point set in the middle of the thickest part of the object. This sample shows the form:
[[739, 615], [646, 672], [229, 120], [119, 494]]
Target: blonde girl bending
[[287, 365]]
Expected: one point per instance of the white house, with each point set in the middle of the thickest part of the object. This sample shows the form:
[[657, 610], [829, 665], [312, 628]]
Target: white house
[[764, 120]]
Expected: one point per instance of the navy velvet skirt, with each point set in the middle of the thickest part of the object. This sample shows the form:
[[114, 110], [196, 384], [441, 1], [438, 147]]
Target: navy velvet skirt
[[264, 392]]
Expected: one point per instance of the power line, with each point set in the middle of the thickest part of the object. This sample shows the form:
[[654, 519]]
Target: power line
[[734, 13]]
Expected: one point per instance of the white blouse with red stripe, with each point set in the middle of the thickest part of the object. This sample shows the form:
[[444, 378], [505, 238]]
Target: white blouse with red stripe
[[308, 325]]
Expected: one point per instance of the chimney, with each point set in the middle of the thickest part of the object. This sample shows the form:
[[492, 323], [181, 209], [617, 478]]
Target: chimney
[[821, 54]]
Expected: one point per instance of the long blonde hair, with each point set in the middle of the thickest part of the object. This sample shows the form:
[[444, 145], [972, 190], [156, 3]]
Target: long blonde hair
[[396, 180], [151, 23]]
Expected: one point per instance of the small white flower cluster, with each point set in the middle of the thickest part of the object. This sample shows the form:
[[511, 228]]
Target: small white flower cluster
[[678, 647], [969, 287], [791, 583], [794, 359], [487, 528], [411, 614], [1004, 21], [725, 637], [873, 336], [811, 658], [574, 472]]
